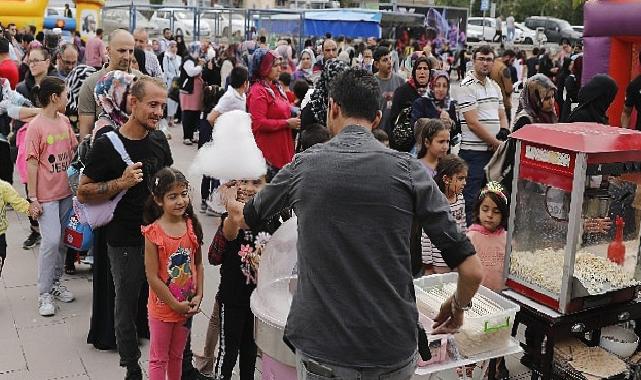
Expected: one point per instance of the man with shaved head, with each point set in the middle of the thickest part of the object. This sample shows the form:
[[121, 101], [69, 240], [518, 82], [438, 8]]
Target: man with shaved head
[[152, 67], [121, 52]]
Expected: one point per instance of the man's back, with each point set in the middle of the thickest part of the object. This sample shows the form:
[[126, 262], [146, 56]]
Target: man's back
[[354, 186]]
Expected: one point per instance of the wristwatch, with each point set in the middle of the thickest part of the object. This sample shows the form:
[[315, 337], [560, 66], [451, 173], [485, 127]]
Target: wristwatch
[[456, 305]]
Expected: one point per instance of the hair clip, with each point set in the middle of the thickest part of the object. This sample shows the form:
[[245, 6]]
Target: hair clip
[[496, 188], [156, 183]]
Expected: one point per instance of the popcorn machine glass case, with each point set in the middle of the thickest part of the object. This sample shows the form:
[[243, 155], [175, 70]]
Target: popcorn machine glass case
[[575, 213]]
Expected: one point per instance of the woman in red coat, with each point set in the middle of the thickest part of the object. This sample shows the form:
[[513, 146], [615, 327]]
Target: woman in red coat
[[272, 120]]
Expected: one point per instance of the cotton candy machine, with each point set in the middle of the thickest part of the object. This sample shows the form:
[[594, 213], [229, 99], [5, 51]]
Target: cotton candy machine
[[271, 300]]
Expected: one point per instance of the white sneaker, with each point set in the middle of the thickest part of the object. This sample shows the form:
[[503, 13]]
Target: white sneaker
[[46, 307], [60, 292]]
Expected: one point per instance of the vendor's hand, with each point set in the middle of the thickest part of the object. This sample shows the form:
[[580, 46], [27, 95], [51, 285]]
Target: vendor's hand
[[293, 123], [201, 62], [445, 116], [597, 225], [181, 308], [194, 306], [35, 209], [132, 175], [448, 320]]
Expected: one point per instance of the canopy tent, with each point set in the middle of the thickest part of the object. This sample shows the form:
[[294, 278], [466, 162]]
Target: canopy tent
[[343, 22]]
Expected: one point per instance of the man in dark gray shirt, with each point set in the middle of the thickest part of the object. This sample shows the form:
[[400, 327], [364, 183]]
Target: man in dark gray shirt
[[354, 311]]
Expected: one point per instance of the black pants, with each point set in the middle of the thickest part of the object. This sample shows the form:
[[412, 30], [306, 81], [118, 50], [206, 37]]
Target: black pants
[[190, 122], [3, 251], [236, 338], [128, 271]]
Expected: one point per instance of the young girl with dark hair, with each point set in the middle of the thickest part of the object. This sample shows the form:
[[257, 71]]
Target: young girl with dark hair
[[433, 142], [50, 145], [451, 176], [489, 231], [174, 269]]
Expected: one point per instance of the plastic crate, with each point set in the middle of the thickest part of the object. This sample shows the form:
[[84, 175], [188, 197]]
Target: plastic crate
[[478, 334]]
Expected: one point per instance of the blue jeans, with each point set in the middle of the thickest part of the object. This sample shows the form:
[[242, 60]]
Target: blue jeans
[[476, 161], [311, 369]]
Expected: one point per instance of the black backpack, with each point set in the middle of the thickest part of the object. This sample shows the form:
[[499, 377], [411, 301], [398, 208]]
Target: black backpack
[[402, 134]]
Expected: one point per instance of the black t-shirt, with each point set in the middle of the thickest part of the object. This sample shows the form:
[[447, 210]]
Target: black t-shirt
[[633, 98], [234, 288], [104, 164]]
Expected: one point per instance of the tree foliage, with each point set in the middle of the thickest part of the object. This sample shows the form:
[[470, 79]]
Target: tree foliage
[[570, 10]]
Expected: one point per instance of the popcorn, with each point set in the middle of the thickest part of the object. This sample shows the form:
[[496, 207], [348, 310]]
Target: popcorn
[[543, 268]]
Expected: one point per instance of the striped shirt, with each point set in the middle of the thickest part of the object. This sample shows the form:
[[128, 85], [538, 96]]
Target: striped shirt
[[431, 254], [487, 100]]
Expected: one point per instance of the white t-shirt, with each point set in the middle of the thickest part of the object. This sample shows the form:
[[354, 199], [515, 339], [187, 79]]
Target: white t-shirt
[[487, 100], [231, 101]]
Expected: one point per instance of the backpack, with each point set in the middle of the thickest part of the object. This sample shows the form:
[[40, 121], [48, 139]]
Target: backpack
[[402, 134]]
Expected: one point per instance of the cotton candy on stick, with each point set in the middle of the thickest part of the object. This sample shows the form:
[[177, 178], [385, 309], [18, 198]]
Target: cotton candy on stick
[[233, 153]]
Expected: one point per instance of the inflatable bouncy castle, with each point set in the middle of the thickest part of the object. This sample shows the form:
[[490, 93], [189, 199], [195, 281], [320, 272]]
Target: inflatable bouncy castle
[[612, 41]]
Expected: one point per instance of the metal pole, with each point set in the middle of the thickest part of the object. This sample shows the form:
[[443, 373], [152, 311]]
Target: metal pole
[[483, 32]]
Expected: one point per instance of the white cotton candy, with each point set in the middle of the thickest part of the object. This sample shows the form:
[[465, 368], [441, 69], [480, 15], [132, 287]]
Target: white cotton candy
[[233, 153]]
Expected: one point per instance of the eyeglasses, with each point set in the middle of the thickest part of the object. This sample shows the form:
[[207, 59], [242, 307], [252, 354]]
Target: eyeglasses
[[486, 59], [34, 61], [69, 63]]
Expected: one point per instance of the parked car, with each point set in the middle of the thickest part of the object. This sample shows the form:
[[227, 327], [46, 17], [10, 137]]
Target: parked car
[[556, 29], [481, 29], [527, 36], [183, 22], [113, 19], [578, 28]]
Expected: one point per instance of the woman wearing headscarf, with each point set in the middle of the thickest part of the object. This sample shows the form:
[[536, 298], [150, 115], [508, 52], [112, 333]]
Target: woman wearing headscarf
[[191, 92], [74, 81], [305, 69], [285, 53], [437, 103], [571, 88], [563, 74], [272, 120], [594, 100], [171, 63], [316, 110], [536, 105], [415, 87], [111, 94]]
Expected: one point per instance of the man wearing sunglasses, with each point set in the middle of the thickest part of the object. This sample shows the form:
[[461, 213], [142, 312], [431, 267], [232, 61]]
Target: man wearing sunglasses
[[482, 114]]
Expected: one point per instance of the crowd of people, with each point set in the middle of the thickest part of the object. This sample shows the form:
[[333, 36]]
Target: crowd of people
[[424, 206]]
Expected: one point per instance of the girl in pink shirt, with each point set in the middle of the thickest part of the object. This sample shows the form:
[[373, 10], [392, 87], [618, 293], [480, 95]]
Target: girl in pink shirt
[[50, 145], [174, 269], [488, 233]]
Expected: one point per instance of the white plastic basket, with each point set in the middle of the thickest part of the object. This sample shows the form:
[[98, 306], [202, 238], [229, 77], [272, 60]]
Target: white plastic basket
[[478, 334]]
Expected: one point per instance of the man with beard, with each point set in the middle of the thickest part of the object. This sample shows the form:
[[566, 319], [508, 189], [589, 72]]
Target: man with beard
[[121, 52], [67, 60], [106, 175], [482, 114]]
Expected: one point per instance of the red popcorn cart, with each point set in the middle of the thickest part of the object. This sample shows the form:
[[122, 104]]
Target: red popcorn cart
[[575, 216]]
